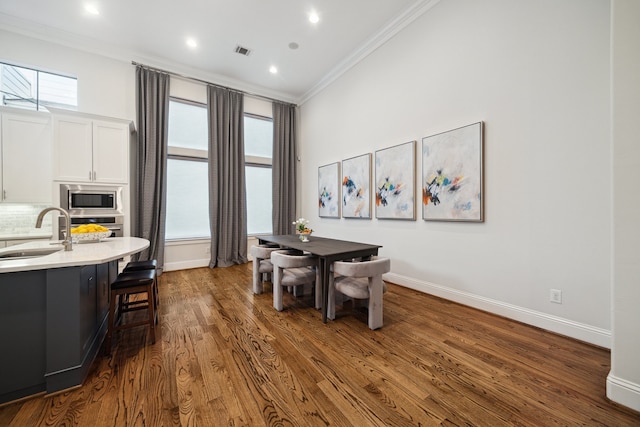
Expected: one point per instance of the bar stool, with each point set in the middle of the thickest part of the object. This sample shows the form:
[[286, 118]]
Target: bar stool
[[133, 282], [150, 264]]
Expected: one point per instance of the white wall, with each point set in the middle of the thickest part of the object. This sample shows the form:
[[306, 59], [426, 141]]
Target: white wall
[[537, 74], [105, 86], [623, 382]]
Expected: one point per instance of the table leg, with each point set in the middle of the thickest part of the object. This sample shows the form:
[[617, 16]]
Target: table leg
[[325, 271]]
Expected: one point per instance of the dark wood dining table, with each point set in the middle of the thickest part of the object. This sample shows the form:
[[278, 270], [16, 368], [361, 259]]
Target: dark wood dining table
[[327, 250]]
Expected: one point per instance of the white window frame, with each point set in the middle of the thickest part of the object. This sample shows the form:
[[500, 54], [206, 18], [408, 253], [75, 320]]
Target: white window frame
[[39, 105], [189, 154], [258, 161]]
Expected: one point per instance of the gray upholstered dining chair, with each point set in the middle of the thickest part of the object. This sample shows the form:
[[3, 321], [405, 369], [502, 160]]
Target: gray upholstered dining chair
[[262, 267], [360, 280], [293, 268]]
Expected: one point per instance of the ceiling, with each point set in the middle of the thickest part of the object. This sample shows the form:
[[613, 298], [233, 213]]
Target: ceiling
[[154, 33]]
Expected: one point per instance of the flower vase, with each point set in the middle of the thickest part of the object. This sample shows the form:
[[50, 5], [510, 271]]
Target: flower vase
[[304, 237]]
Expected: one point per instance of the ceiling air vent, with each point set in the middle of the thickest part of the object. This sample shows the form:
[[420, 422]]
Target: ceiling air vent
[[243, 50]]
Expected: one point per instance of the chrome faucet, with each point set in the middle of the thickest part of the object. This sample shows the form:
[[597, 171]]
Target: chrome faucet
[[67, 241]]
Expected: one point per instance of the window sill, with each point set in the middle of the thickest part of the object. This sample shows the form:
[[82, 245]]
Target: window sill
[[187, 241]]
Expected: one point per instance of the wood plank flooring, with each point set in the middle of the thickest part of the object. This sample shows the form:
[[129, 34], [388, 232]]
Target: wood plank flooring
[[225, 357]]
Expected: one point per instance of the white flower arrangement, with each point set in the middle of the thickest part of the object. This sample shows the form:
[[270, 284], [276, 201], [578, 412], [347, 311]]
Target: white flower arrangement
[[301, 225]]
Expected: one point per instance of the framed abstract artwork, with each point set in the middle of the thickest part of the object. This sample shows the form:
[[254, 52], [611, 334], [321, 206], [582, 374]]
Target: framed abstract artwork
[[452, 181], [395, 182], [328, 190], [356, 187]]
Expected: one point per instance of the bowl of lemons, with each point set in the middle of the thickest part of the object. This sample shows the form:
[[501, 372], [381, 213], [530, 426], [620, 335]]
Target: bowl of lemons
[[86, 233]]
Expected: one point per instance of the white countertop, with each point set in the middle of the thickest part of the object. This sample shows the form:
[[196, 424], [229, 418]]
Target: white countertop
[[82, 253], [24, 236]]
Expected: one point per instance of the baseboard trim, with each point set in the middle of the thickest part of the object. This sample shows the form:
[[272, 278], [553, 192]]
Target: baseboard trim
[[559, 325], [623, 392]]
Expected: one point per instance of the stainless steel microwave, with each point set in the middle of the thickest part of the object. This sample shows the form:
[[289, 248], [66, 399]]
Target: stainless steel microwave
[[82, 200]]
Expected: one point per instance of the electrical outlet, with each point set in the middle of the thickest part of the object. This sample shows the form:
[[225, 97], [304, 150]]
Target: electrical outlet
[[207, 250], [555, 295]]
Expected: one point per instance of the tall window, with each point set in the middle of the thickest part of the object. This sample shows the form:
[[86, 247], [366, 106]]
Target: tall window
[[35, 90], [258, 151], [187, 172]]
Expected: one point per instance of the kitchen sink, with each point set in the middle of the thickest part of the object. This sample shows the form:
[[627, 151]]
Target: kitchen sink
[[27, 253]]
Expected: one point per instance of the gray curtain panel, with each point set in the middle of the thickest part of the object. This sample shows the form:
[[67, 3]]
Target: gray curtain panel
[[227, 193], [152, 103], [284, 168]]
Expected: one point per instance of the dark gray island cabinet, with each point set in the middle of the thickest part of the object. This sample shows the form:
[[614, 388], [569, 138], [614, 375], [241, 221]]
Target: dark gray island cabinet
[[52, 324]]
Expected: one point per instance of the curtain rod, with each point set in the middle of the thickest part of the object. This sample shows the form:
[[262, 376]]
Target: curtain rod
[[171, 73]]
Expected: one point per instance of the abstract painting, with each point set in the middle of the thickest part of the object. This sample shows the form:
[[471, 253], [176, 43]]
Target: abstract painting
[[452, 175], [328, 190], [356, 187], [395, 182]]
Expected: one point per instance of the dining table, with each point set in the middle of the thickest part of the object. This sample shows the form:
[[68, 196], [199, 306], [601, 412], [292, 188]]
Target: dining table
[[327, 250]]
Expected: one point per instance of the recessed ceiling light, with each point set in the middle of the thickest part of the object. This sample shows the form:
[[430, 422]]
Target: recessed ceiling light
[[273, 69], [314, 18], [91, 9], [293, 45], [192, 43]]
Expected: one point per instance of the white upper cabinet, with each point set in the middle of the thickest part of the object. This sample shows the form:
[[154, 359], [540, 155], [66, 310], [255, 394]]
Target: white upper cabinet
[[73, 153], [111, 152], [26, 148], [88, 149]]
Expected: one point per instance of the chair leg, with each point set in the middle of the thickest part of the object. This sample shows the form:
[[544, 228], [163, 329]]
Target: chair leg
[[122, 300], [111, 325], [156, 292], [156, 299], [375, 302], [257, 277], [152, 312], [331, 306], [298, 291], [277, 289], [317, 286]]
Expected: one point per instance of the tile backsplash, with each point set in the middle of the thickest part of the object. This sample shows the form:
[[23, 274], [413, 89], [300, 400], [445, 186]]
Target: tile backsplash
[[20, 219]]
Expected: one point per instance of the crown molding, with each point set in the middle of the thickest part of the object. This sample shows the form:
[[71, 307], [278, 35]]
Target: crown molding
[[410, 14]]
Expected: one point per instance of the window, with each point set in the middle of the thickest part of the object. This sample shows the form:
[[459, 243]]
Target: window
[[35, 90], [258, 151], [187, 199], [187, 172]]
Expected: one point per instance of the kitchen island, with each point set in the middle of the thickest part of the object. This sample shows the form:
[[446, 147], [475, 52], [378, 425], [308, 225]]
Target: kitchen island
[[53, 312]]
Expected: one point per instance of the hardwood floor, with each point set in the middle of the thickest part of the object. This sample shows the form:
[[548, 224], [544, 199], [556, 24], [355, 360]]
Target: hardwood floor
[[225, 357]]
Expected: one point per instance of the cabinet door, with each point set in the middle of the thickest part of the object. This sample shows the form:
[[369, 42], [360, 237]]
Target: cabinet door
[[102, 272], [26, 158], [72, 149], [110, 152], [88, 306]]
